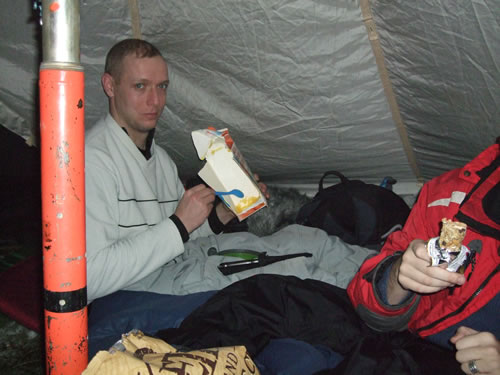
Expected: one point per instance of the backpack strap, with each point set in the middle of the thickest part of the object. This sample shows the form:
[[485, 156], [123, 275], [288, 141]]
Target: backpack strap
[[343, 179], [339, 214]]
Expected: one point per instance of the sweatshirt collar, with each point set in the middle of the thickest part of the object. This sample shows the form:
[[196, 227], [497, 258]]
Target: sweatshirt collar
[[149, 141]]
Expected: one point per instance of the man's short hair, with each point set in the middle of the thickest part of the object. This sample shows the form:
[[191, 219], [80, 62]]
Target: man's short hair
[[120, 50]]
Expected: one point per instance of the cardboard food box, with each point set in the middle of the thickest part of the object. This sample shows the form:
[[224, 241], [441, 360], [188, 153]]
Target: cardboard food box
[[225, 169]]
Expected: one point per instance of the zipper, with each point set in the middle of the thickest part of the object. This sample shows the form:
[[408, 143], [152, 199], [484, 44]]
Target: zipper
[[461, 308]]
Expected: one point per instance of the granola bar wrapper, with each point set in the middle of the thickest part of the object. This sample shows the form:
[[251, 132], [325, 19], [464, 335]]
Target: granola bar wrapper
[[448, 248], [439, 256]]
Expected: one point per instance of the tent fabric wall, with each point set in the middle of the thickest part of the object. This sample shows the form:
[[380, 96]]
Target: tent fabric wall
[[295, 81], [444, 63]]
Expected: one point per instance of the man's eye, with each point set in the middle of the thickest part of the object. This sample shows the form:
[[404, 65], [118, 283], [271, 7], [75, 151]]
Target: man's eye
[[139, 85], [163, 86]]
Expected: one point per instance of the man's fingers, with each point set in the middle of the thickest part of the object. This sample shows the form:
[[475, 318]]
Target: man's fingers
[[466, 331], [462, 332], [420, 251], [416, 266], [423, 285], [481, 349], [201, 192], [424, 278], [485, 359], [465, 366], [442, 274], [476, 339]]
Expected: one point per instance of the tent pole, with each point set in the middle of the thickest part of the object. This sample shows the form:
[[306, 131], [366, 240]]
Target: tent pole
[[61, 85], [386, 83], [135, 17]]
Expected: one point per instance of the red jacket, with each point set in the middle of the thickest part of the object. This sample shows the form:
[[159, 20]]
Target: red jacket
[[443, 196]]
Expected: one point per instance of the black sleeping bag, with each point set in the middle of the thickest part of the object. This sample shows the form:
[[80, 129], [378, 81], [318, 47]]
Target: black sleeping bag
[[255, 310]]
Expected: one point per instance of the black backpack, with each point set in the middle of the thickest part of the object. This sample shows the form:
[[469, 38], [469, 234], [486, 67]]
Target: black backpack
[[359, 213]]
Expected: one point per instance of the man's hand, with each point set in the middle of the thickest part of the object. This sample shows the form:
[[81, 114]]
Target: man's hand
[[413, 272], [195, 206], [262, 186], [224, 214], [481, 347]]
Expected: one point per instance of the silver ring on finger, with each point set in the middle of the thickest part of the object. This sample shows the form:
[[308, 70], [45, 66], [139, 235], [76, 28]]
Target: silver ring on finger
[[473, 367]]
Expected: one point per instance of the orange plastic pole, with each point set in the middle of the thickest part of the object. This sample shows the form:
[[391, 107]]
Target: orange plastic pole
[[63, 189], [63, 220]]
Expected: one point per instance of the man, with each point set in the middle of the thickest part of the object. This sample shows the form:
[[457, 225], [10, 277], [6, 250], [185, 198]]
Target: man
[[145, 232], [132, 182], [399, 289]]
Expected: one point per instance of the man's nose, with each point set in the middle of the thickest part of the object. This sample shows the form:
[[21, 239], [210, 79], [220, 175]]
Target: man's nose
[[155, 96]]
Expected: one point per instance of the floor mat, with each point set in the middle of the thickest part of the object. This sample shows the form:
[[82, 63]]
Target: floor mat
[[21, 293]]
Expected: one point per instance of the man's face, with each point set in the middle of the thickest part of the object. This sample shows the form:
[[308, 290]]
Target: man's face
[[139, 96]]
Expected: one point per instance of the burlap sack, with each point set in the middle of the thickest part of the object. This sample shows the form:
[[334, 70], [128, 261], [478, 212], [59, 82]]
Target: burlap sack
[[138, 354]]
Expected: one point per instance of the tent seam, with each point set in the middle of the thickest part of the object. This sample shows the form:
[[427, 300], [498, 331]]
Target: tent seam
[[373, 36], [135, 18]]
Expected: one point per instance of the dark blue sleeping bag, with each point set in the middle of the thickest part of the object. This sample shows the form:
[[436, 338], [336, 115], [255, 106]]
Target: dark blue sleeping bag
[[120, 312]]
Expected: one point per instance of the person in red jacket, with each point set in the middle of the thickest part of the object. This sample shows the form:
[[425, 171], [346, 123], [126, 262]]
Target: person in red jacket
[[399, 289]]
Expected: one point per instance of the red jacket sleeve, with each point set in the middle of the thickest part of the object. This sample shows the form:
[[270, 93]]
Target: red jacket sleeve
[[362, 291]]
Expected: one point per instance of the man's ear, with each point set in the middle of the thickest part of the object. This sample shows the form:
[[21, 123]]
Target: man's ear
[[108, 84]]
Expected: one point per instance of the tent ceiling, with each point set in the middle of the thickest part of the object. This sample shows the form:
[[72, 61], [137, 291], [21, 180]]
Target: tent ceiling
[[296, 82]]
